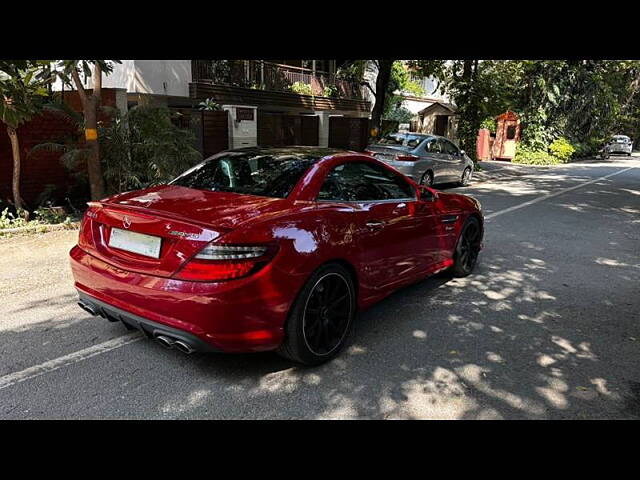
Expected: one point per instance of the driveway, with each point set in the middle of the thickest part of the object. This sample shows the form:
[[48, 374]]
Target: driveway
[[547, 327]]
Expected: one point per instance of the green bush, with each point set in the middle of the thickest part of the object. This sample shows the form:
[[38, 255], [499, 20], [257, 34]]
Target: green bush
[[534, 157], [301, 88], [331, 91], [143, 148], [588, 148], [52, 215], [9, 220], [489, 123], [561, 149]]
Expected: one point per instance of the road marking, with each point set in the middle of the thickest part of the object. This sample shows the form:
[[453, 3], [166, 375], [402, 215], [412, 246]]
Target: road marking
[[75, 357], [555, 194]]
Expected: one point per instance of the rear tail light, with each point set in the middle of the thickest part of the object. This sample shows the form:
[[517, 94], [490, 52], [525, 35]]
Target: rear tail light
[[215, 263], [406, 158]]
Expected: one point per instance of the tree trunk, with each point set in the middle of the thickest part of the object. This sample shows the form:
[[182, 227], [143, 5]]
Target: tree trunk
[[90, 105], [96, 181], [15, 148], [382, 81]]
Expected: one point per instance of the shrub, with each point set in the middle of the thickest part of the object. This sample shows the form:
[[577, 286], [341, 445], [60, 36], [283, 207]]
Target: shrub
[[534, 157], [331, 91], [400, 115], [588, 148], [9, 220], [489, 123], [301, 88], [209, 105], [561, 149], [144, 148], [52, 215]]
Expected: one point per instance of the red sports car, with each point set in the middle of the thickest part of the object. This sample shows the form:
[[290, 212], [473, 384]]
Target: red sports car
[[268, 249]]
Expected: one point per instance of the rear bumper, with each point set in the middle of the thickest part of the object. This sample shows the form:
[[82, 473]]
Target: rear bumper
[[149, 328], [244, 315]]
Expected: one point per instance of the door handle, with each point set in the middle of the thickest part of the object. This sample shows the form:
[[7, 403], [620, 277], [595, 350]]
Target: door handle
[[375, 224]]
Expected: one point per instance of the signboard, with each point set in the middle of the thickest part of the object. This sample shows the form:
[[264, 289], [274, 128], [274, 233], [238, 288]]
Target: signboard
[[244, 114]]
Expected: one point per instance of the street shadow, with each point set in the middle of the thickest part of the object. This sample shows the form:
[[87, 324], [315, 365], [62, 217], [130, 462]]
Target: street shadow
[[545, 328]]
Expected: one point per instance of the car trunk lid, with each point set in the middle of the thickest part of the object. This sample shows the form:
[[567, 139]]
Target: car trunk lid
[[184, 220]]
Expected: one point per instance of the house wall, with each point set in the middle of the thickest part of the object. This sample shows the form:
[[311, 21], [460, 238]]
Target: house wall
[[156, 77], [415, 106], [428, 122]]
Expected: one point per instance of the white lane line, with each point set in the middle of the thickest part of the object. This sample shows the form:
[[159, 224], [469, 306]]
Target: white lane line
[[555, 194], [75, 357]]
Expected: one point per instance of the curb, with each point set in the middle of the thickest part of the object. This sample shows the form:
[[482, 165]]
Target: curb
[[41, 228]]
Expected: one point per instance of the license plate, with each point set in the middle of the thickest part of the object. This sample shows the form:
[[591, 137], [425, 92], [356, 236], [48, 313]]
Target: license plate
[[146, 245]]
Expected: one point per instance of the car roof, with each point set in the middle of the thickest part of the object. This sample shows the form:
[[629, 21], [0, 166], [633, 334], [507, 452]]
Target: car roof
[[319, 152]]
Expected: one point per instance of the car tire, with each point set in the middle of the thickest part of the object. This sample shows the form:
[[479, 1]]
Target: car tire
[[466, 176], [427, 179], [465, 256], [321, 317]]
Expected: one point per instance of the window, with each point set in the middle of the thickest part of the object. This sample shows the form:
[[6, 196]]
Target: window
[[449, 148], [364, 182], [406, 140], [248, 173], [433, 146], [511, 132]]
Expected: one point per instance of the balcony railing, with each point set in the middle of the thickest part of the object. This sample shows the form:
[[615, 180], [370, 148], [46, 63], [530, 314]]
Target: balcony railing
[[261, 75]]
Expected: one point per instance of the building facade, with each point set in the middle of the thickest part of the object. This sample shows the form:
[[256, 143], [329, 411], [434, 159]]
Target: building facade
[[277, 102]]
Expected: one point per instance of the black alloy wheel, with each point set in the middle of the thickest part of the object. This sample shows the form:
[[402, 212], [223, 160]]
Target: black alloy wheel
[[468, 248], [321, 317]]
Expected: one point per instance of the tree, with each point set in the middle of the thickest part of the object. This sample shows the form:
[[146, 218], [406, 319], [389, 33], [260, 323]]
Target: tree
[[23, 86], [69, 73]]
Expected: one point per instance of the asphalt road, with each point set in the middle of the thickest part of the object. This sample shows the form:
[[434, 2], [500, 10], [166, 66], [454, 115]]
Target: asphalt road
[[547, 327]]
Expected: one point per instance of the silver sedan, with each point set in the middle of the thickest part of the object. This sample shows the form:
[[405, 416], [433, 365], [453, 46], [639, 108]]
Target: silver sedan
[[428, 159], [620, 144]]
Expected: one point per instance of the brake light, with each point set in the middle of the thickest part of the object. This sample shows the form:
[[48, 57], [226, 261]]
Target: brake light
[[216, 263], [406, 158]]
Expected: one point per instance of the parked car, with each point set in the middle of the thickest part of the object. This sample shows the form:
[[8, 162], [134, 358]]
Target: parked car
[[427, 159], [268, 249], [619, 144]]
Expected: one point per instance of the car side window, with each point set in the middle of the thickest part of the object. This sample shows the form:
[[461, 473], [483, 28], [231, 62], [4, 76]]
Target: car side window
[[413, 142], [449, 148], [432, 146], [364, 182]]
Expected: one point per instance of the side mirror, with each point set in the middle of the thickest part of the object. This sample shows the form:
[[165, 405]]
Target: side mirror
[[462, 153], [428, 195]]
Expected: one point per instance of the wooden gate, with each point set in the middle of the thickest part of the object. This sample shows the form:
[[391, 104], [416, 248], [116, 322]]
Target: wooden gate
[[215, 132], [349, 133], [210, 128], [278, 129]]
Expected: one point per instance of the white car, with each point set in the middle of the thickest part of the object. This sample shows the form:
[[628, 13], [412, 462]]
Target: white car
[[619, 144]]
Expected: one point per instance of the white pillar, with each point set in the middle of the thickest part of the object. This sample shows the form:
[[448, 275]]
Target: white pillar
[[323, 127], [243, 131]]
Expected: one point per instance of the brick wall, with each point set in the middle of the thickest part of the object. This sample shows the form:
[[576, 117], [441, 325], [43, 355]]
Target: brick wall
[[43, 168]]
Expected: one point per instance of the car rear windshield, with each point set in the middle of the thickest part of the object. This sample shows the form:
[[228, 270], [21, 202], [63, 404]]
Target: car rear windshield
[[266, 175], [401, 139]]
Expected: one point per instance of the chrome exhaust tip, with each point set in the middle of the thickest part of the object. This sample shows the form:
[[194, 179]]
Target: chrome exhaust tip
[[183, 347], [166, 342], [88, 308]]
